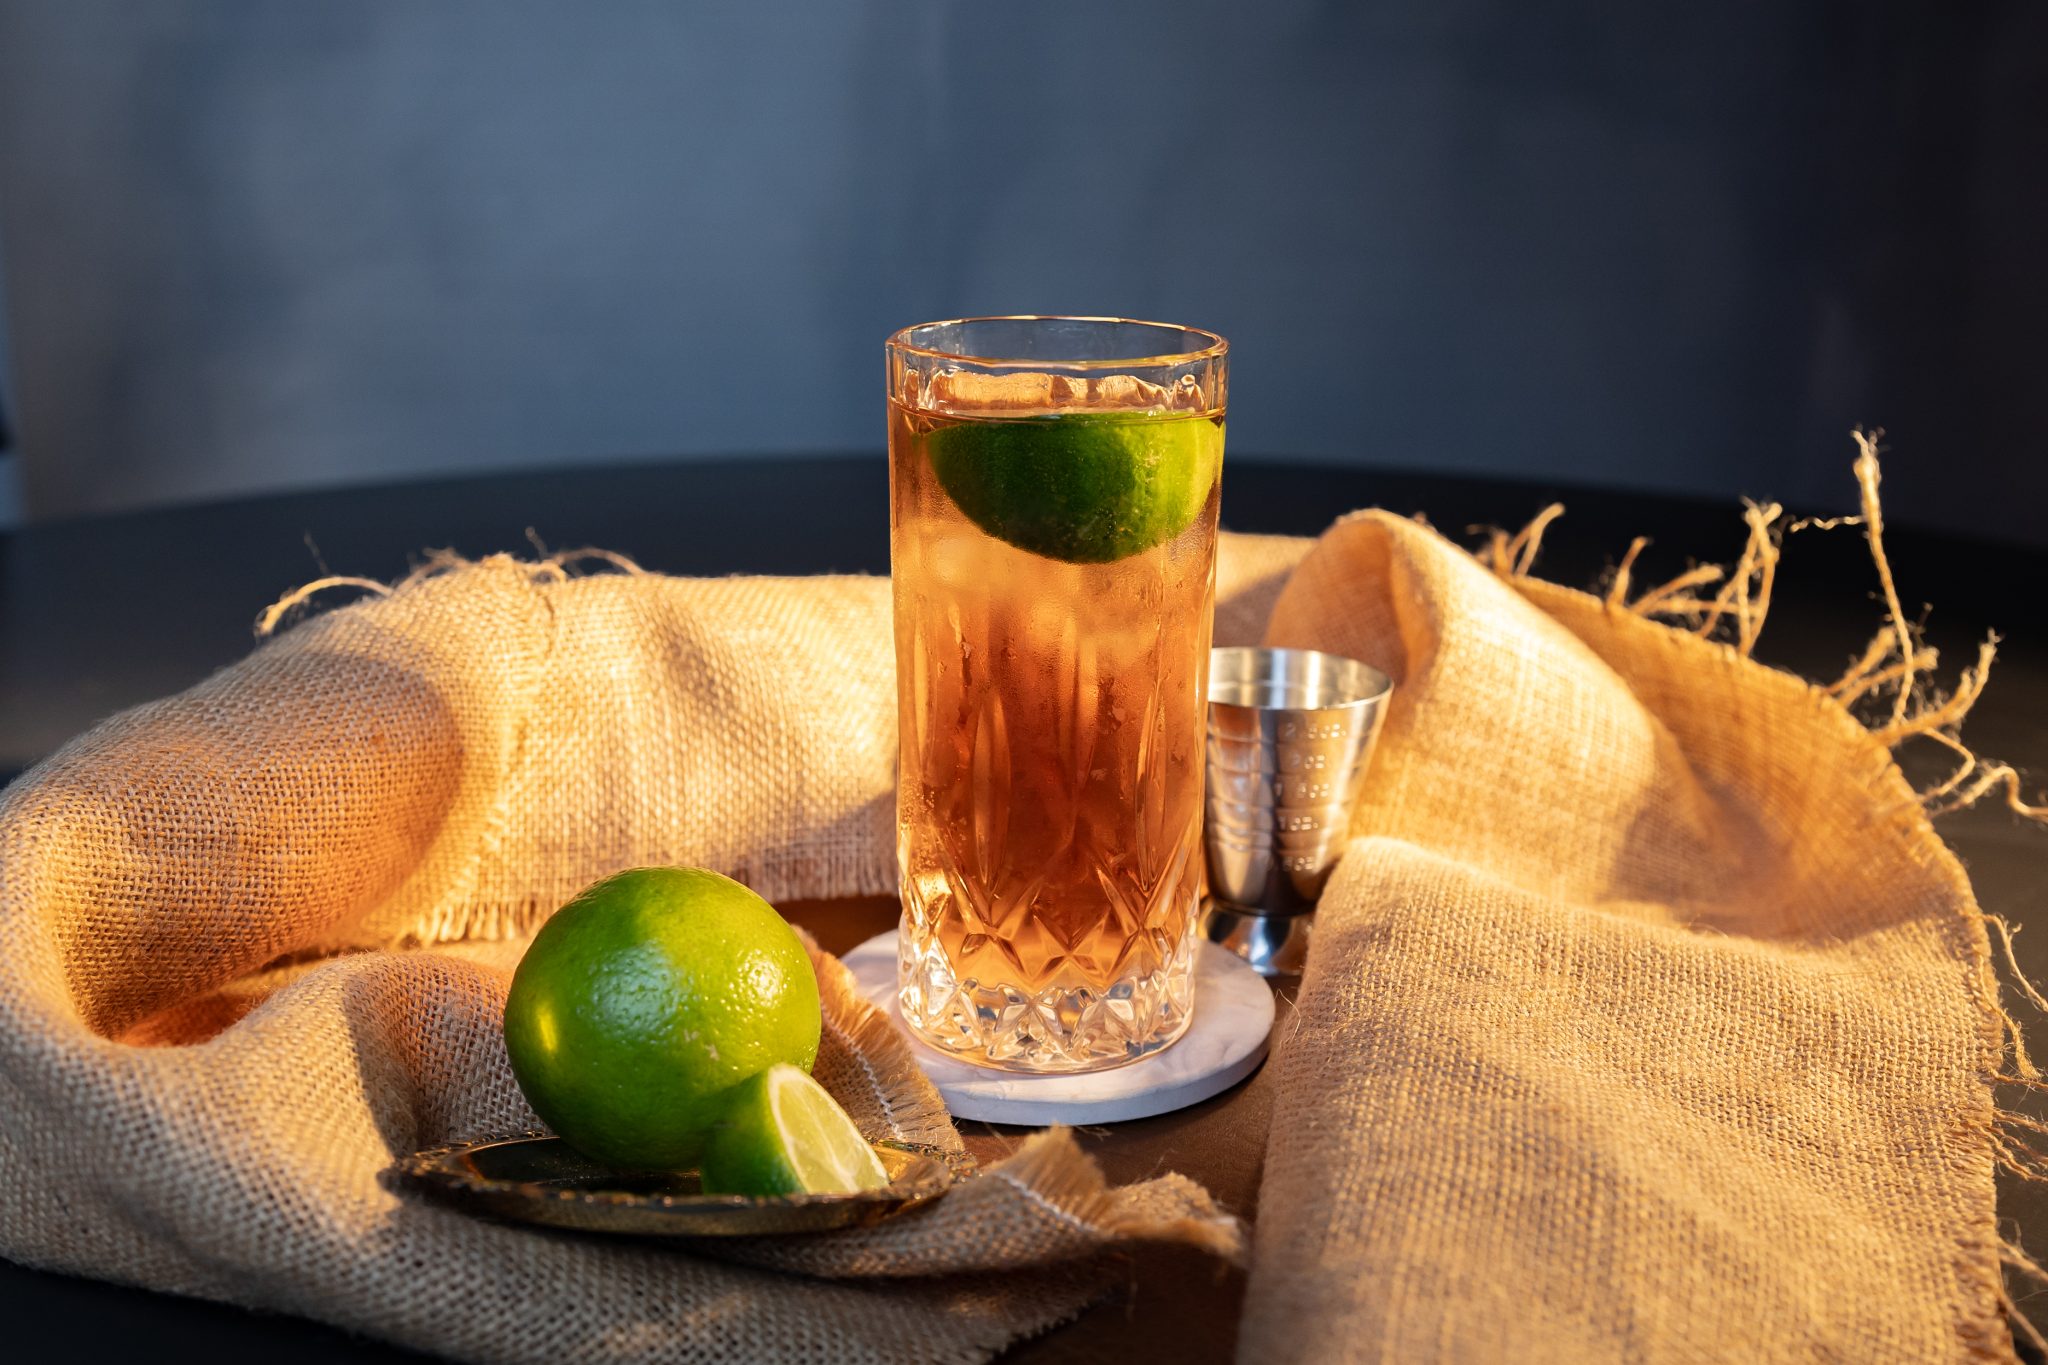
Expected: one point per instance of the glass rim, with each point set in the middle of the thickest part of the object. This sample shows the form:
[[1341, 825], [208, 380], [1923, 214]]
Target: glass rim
[[1329, 682], [1214, 349]]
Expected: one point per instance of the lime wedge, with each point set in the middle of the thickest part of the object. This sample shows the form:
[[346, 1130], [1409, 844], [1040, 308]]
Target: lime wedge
[[1085, 487], [782, 1133]]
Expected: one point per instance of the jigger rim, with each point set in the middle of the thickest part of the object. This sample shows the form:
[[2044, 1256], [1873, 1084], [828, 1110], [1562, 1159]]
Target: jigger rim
[[1344, 683]]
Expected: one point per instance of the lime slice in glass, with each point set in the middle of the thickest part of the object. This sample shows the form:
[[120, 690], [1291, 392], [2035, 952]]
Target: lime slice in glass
[[1085, 487], [782, 1133]]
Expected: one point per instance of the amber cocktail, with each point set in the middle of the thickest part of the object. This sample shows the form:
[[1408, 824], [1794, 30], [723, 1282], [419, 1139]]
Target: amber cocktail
[[1054, 486]]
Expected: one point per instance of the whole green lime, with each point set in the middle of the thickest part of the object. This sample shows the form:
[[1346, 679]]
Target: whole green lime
[[1086, 487], [644, 1000]]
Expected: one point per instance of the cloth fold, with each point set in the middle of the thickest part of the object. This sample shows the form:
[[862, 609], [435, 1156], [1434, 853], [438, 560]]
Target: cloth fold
[[1647, 1018], [255, 941]]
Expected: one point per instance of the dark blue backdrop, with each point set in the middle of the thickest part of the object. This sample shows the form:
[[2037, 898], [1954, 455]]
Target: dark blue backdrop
[[249, 245]]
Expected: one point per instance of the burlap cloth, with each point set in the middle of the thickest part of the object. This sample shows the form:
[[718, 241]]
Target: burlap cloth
[[1648, 1019]]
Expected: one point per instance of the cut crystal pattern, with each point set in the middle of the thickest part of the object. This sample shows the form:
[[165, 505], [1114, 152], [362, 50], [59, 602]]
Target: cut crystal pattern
[[1076, 1028], [1050, 796]]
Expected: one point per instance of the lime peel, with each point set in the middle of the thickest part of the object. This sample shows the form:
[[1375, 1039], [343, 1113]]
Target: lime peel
[[784, 1134], [1083, 487], [645, 1000]]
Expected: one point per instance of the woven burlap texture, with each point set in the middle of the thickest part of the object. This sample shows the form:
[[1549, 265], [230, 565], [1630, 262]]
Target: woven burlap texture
[[1648, 1021], [255, 940]]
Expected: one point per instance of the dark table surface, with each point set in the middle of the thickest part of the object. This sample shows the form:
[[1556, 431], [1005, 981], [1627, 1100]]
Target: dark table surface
[[102, 614]]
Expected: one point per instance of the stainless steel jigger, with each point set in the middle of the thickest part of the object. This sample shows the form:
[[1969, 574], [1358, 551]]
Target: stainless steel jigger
[[1291, 732]]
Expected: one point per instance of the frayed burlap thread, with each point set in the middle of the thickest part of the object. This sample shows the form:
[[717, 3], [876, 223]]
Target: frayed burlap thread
[[1648, 1019], [255, 941]]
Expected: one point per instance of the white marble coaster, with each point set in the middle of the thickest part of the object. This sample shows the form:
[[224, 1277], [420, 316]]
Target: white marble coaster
[[1225, 1043]]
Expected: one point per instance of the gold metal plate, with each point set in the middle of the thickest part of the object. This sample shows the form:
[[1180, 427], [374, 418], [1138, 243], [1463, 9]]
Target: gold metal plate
[[535, 1179]]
